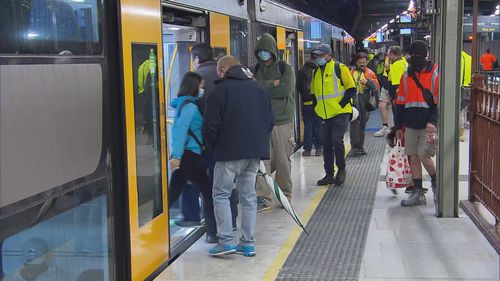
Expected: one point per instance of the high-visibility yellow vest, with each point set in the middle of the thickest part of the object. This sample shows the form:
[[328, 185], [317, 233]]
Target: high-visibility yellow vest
[[329, 90]]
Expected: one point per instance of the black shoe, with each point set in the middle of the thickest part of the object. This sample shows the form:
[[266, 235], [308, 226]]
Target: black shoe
[[327, 180], [340, 177], [362, 152], [410, 189], [211, 239], [183, 223]]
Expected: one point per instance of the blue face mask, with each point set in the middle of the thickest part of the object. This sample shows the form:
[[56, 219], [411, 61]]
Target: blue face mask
[[201, 92], [264, 55], [321, 61]]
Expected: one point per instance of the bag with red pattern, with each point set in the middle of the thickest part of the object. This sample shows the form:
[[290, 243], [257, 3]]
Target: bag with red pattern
[[398, 171]]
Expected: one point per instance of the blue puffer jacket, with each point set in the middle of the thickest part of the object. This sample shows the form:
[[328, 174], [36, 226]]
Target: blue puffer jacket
[[188, 118]]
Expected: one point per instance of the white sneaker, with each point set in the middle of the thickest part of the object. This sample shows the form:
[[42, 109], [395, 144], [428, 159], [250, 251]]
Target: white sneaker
[[382, 132]]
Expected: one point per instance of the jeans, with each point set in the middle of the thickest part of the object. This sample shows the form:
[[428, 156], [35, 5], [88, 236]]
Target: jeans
[[193, 169], [210, 160], [190, 203], [313, 132], [333, 146], [226, 174]]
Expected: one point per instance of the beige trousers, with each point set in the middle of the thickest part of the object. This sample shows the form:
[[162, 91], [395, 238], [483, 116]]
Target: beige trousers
[[282, 145]]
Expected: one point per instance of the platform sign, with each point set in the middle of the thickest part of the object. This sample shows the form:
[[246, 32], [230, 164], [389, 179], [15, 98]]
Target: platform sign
[[484, 24]]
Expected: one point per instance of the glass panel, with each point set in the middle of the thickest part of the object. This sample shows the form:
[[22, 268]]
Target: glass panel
[[73, 245], [50, 27], [238, 38], [147, 134]]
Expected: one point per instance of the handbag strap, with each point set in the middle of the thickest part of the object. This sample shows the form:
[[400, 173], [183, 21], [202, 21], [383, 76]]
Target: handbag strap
[[429, 99]]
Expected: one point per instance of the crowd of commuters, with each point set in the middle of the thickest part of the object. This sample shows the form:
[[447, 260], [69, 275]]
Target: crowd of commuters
[[230, 117]]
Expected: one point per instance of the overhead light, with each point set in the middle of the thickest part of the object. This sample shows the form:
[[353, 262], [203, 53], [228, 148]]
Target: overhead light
[[497, 12], [397, 16], [384, 26], [391, 21], [405, 12], [173, 28], [32, 35], [498, 7]]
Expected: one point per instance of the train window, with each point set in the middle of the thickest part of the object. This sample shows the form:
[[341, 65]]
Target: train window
[[67, 246], [238, 37], [63, 27]]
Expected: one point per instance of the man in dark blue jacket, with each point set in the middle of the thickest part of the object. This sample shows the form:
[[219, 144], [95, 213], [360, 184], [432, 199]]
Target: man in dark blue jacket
[[237, 124]]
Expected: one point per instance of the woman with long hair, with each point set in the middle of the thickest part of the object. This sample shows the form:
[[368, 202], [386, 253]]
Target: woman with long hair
[[187, 146]]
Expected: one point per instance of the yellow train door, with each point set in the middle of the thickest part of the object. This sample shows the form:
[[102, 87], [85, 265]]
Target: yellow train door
[[141, 39]]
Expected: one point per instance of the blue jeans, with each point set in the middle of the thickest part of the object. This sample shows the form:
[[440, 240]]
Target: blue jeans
[[242, 173], [313, 132], [333, 146]]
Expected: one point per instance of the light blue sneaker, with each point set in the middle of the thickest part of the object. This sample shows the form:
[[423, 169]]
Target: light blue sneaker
[[221, 250], [247, 251]]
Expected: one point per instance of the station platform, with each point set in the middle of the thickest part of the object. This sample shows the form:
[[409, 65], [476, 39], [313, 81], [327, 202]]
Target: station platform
[[356, 232]]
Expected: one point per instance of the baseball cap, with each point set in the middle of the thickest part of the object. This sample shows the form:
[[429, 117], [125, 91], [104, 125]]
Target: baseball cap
[[322, 49]]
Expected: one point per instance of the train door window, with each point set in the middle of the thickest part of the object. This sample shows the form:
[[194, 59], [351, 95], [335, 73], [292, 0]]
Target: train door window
[[239, 39], [147, 137], [50, 27]]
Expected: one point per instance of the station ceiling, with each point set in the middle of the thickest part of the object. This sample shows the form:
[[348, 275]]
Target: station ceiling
[[362, 17]]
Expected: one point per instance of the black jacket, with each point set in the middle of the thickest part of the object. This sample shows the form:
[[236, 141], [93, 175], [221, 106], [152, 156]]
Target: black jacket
[[238, 119], [303, 85], [208, 71]]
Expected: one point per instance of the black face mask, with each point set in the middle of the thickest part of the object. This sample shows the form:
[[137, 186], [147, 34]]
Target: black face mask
[[418, 62], [360, 68]]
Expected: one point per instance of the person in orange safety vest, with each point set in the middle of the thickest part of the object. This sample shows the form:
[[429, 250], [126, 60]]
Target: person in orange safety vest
[[416, 109]]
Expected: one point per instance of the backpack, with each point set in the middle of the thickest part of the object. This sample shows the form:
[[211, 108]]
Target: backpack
[[190, 132], [281, 67]]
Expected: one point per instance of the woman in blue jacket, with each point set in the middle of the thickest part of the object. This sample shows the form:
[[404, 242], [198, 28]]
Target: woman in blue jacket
[[187, 145]]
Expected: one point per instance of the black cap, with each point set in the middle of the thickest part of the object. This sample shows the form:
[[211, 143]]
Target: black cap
[[419, 48], [322, 49]]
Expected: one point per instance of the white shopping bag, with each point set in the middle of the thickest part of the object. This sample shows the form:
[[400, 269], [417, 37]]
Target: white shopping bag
[[398, 169]]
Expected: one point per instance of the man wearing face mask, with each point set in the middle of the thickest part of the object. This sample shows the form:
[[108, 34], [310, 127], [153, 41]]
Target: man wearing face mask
[[366, 86], [416, 109], [278, 79], [333, 86]]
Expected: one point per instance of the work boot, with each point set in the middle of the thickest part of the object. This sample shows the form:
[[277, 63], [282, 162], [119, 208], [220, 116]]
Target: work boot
[[319, 151], [306, 153], [416, 198], [340, 177], [326, 180]]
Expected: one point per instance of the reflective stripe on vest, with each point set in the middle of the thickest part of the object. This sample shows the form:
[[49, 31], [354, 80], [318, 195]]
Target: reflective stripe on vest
[[416, 104], [330, 96], [433, 83], [308, 103]]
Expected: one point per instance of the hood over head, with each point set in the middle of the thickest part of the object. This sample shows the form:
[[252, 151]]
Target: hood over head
[[267, 43]]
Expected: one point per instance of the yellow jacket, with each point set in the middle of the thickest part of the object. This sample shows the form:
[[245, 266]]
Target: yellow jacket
[[466, 73], [329, 90]]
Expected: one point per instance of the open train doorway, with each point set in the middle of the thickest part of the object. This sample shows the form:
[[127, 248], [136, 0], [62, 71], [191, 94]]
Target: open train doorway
[[182, 29]]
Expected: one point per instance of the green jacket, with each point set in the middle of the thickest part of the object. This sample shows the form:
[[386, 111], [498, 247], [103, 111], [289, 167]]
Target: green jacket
[[282, 96]]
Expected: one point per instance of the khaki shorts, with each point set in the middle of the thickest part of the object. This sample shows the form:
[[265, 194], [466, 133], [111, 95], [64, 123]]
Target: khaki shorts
[[416, 143], [384, 96]]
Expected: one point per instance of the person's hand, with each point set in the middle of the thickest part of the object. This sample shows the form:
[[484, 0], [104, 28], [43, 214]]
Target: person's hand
[[399, 134], [364, 81], [276, 83], [175, 163], [430, 128]]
